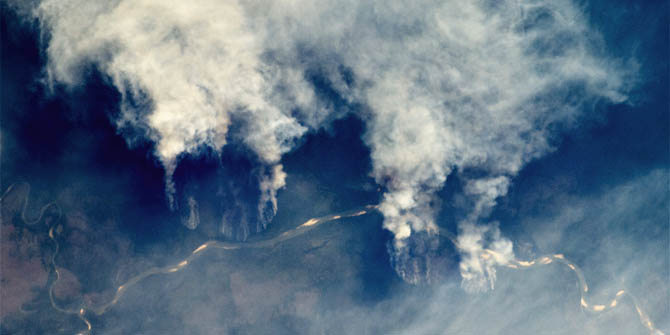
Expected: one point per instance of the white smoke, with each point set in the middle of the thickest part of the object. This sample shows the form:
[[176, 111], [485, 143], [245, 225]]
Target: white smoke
[[444, 85], [482, 247], [470, 85], [268, 187], [478, 269], [197, 62]]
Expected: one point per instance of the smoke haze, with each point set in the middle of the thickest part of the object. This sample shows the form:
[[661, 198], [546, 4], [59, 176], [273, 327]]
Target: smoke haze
[[486, 134], [444, 87]]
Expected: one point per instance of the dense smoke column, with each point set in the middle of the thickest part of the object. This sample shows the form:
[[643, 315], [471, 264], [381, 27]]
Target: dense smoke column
[[188, 74], [471, 86]]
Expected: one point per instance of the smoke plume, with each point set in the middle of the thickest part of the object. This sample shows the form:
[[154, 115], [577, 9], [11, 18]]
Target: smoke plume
[[443, 86]]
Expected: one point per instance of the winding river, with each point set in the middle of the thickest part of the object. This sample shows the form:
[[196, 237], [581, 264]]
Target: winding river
[[84, 310]]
